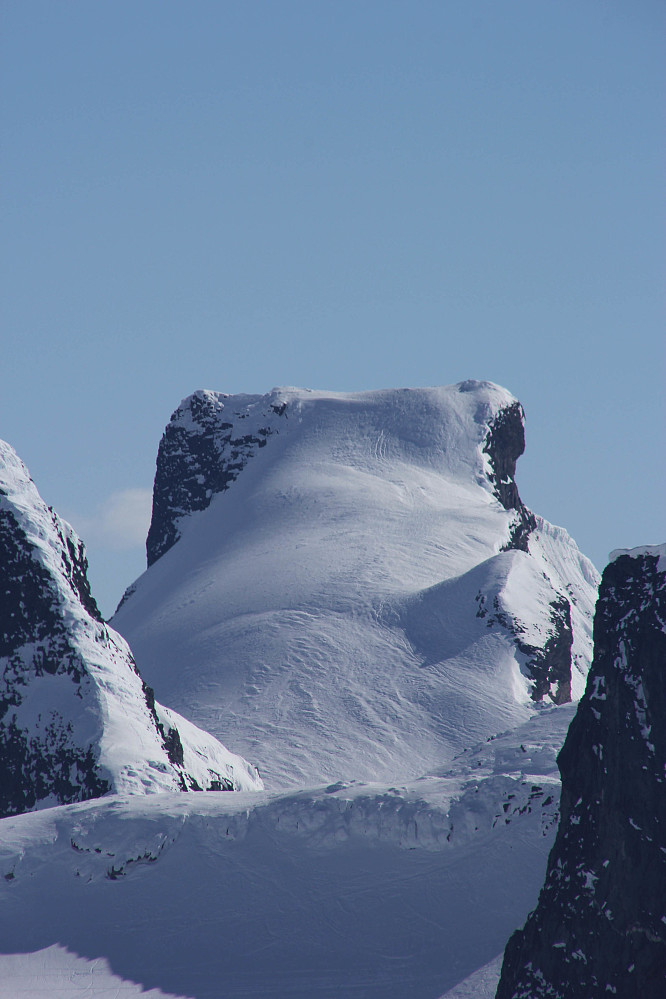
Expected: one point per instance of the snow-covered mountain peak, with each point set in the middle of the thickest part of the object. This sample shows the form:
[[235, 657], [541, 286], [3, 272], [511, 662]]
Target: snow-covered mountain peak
[[76, 719], [350, 581], [64, 565], [473, 430]]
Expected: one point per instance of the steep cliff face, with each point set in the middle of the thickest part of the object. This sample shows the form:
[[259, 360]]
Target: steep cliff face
[[76, 719], [208, 441], [42, 759], [504, 444], [600, 925]]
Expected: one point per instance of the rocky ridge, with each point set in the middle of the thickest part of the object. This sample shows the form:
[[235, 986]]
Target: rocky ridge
[[504, 444], [76, 719], [205, 446]]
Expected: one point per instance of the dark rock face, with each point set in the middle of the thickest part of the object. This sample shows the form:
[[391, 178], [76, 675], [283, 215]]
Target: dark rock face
[[46, 764], [45, 759], [27, 610], [76, 567], [203, 450], [505, 442], [600, 926]]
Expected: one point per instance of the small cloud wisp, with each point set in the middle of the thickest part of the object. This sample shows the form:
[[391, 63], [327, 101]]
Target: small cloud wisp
[[120, 522]]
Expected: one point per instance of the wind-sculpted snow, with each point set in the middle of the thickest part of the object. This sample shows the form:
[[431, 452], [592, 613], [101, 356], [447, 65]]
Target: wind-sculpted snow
[[365, 595], [394, 891], [76, 719]]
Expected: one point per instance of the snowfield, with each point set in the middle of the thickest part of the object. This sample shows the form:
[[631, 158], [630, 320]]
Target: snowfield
[[348, 890]]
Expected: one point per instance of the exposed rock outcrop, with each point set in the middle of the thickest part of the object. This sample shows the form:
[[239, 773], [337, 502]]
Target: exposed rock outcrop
[[205, 446], [76, 720], [505, 442], [549, 663], [600, 925]]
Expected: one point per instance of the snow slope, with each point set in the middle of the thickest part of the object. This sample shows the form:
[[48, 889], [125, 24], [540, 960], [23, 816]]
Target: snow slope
[[348, 586], [76, 719], [397, 891]]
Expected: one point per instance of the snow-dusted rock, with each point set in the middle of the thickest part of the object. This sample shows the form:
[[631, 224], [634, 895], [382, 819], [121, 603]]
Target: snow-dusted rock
[[600, 925], [349, 585], [76, 719]]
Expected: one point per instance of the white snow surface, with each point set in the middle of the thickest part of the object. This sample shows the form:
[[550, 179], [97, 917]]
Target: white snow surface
[[656, 551], [107, 711], [381, 891], [322, 614]]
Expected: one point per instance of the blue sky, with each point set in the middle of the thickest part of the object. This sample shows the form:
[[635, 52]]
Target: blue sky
[[341, 195]]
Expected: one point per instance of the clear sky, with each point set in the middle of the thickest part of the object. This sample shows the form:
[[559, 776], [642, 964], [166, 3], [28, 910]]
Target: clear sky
[[346, 195]]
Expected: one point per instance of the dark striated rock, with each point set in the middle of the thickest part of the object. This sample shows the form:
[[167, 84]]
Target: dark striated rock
[[201, 453], [600, 926], [27, 610], [75, 563], [505, 442]]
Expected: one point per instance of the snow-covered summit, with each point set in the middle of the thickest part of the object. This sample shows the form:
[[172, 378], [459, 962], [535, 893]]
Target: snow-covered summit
[[212, 437], [76, 719], [349, 585]]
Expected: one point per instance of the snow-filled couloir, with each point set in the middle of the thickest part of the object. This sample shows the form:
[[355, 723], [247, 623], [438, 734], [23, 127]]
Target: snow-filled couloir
[[76, 719], [348, 585]]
